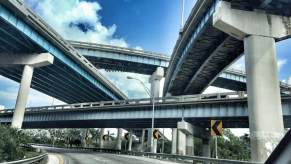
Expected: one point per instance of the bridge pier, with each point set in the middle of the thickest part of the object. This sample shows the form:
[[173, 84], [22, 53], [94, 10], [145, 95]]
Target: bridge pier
[[190, 145], [258, 31], [101, 141], [142, 140], [181, 143], [206, 152], [119, 139], [174, 141], [130, 141], [30, 61], [155, 81]]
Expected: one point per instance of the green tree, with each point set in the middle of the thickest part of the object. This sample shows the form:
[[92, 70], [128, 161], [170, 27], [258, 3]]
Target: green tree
[[11, 141]]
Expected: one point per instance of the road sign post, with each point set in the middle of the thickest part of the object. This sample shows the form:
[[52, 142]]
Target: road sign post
[[216, 130]]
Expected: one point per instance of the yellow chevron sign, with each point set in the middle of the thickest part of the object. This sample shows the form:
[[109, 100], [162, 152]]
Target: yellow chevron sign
[[216, 128], [156, 134]]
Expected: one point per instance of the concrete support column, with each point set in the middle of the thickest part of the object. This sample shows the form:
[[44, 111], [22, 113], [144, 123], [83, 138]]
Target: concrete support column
[[22, 97], [258, 30], [190, 145], [174, 141], [264, 101], [155, 81], [206, 148], [152, 143], [142, 140], [101, 142], [119, 139], [130, 141], [181, 143]]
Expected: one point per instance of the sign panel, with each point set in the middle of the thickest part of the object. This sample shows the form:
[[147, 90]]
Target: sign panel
[[126, 136], [216, 128]]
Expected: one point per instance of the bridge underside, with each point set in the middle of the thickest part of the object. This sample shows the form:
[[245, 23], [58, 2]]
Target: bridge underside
[[213, 51], [203, 52], [122, 66], [60, 80], [280, 7], [233, 112]]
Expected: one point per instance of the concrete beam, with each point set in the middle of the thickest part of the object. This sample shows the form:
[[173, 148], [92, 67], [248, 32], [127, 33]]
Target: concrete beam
[[33, 60], [240, 23]]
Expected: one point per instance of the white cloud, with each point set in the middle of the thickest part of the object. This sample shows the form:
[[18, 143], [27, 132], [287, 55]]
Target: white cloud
[[281, 63], [69, 16], [130, 87], [212, 89], [289, 80], [2, 107], [138, 48], [239, 64]]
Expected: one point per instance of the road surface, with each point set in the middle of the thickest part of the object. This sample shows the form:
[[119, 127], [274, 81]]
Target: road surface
[[66, 156]]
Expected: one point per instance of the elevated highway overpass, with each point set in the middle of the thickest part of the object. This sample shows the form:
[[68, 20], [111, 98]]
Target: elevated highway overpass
[[203, 51], [71, 78], [136, 114], [115, 58]]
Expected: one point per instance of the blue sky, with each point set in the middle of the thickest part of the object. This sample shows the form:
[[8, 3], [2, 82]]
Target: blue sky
[[151, 25]]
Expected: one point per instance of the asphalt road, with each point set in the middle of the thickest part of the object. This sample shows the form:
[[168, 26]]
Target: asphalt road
[[66, 156]]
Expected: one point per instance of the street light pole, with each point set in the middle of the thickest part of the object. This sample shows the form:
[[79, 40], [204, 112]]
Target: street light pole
[[152, 96]]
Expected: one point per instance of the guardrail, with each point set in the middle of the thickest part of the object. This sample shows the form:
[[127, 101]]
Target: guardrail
[[28, 160], [193, 159], [161, 155], [147, 101], [110, 48]]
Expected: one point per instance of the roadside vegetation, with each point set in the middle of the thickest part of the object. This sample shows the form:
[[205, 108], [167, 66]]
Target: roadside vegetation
[[13, 141]]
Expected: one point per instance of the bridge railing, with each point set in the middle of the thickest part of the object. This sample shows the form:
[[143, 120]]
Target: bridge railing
[[86, 45], [145, 101], [159, 155]]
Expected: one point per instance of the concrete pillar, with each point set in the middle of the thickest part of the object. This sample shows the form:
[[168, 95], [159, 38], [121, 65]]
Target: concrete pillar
[[155, 81], [264, 101], [152, 143], [101, 142], [22, 97], [189, 145], [258, 30], [119, 139], [174, 141], [181, 143], [130, 141], [206, 148], [142, 140]]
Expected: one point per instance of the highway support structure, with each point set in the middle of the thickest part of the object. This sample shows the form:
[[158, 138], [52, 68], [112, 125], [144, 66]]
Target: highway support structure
[[119, 139], [130, 141], [29, 61], [258, 31], [101, 141], [183, 139], [155, 81]]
